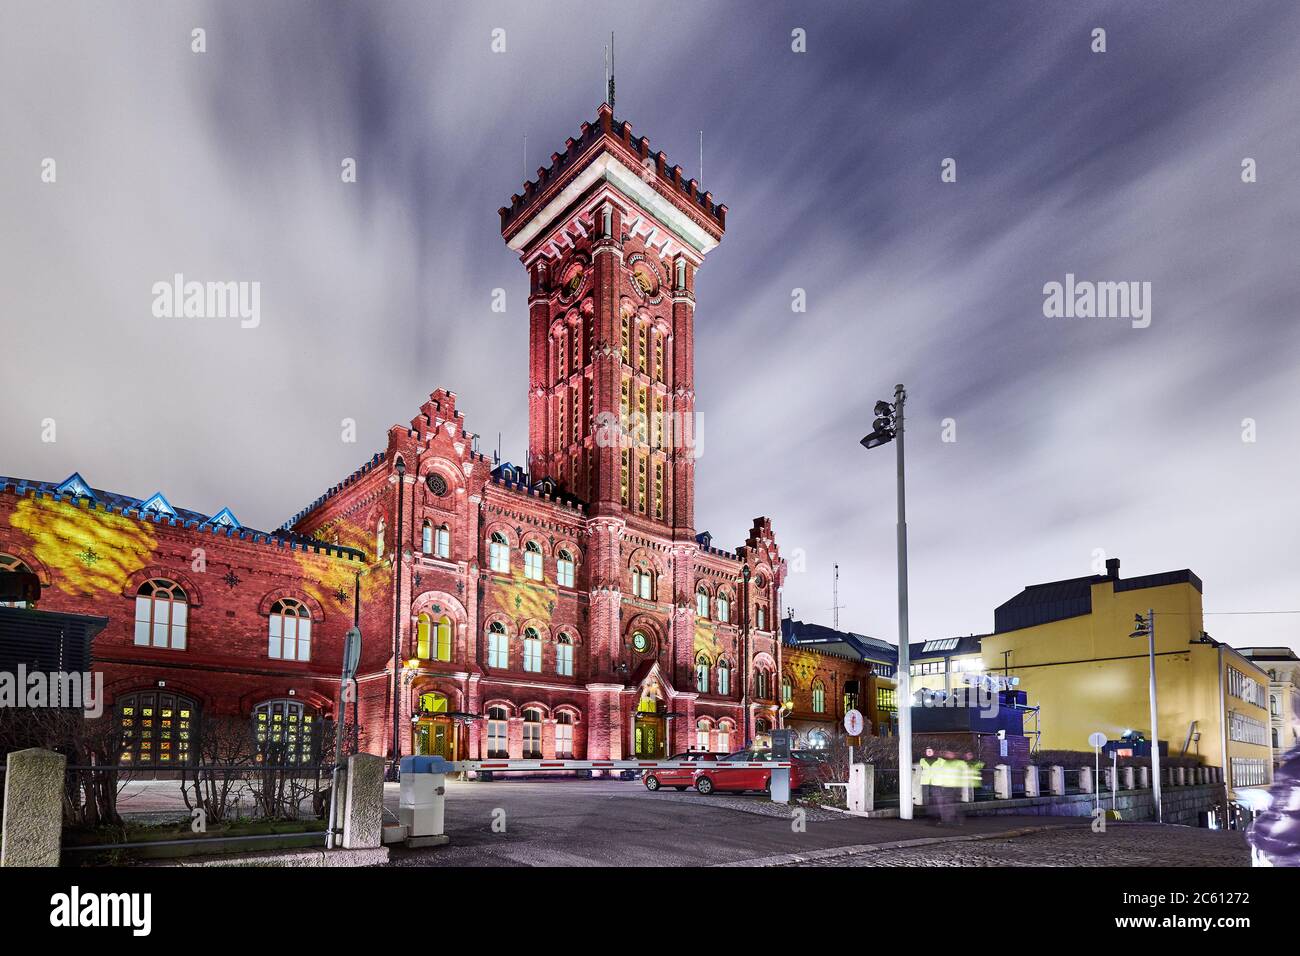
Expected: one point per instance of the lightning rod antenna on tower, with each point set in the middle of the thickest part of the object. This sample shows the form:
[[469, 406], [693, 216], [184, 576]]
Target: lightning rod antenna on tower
[[835, 600], [604, 90], [611, 69], [525, 157]]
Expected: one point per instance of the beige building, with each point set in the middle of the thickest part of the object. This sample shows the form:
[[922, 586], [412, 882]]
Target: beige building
[[1283, 669]]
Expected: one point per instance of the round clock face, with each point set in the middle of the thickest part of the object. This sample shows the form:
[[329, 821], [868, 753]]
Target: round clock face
[[639, 641], [571, 279], [645, 279], [437, 484]]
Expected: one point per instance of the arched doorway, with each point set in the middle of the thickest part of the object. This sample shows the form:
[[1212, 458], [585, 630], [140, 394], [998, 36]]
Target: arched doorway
[[649, 733], [435, 730]]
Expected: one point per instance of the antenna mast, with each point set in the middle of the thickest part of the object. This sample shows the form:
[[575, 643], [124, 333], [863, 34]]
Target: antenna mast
[[836, 605], [611, 69]]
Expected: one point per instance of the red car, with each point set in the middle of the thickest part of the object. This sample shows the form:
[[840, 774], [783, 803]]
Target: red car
[[678, 779], [750, 770]]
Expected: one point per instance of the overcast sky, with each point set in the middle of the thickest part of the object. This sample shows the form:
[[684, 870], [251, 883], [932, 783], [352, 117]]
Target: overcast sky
[[1074, 436]]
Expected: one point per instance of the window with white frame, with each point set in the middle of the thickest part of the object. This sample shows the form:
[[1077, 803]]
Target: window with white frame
[[533, 561], [289, 636], [724, 677], [564, 734], [161, 615], [564, 570], [433, 638], [760, 617], [762, 684], [1245, 688], [819, 698], [532, 733], [499, 553], [724, 737], [724, 607], [498, 646], [1249, 772], [702, 731], [564, 655], [702, 674], [442, 541], [787, 690], [643, 584], [532, 650], [498, 732], [701, 602], [426, 538], [379, 540], [1247, 729]]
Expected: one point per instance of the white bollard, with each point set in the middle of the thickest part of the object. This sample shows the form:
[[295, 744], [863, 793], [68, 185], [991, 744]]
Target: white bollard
[[1031, 781], [862, 787], [1085, 779], [916, 785], [1002, 781], [1056, 780], [1126, 777], [1144, 778]]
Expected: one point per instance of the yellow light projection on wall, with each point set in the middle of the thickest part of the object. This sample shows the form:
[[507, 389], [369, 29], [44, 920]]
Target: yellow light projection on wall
[[706, 640], [324, 577], [523, 599], [85, 550]]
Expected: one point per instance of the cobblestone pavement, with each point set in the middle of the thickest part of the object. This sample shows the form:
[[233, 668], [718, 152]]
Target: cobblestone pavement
[[1122, 844]]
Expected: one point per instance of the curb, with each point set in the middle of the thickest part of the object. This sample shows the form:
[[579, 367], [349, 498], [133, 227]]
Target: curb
[[791, 859]]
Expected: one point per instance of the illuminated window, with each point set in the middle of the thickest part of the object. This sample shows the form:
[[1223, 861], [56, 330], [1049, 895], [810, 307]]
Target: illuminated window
[[702, 735], [533, 561], [498, 732], [379, 540], [623, 476], [702, 674], [817, 740], [433, 638], [156, 728], [724, 678], [640, 484], [701, 601], [289, 636], [499, 553], [564, 734], [724, 608], [434, 703], [532, 733], [760, 617], [625, 339], [642, 415], [643, 584], [160, 615], [442, 541], [532, 651], [659, 489], [498, 646], [659, 357], [577, 347], [787, 690], [819, 698], [286, 733], [641, 350], [564, 656], [564, 570], [426, 538], [762, 684], [9, 563], [724, 736]]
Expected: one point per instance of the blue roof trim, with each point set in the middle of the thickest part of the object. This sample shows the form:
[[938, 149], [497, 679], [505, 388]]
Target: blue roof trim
[[75, 486], [225, 518]]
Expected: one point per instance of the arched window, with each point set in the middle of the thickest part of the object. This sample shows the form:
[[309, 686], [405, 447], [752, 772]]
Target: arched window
[[702, 674], [434, 703], [724, 607], [819, 698], [532, 733], [442, 541], [564, 734], [498, 646], [161, 615], [379, 540], [289, 636], [498, 732], [9, 563], [533, 561], [564, 655], [433, 638], [724, 677], [760, 617], [643, 584], [285, 731], [426, 538], [564, 570], [532, 650], [762, 684], [724, 736], [787, 689], [156, 728], [499, 553], [702, 729], [702, 602]]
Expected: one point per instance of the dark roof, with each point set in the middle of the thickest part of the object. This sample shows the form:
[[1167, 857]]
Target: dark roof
[[1072, 597], [840, 643], [944, 647], [157, 508]]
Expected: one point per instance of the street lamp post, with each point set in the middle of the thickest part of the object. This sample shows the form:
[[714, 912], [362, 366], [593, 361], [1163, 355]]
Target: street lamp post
[[888, 426], [1146, 627], [400, 542]]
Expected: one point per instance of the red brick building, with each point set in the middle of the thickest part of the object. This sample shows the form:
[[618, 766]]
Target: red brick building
[[566, 607]]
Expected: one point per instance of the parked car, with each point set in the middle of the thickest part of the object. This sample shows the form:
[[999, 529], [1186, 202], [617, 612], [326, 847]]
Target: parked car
[[677, 779], [750, 770]]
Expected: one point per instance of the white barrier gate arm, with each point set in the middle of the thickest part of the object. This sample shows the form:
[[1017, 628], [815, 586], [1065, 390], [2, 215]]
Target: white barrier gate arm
[[539, 764]]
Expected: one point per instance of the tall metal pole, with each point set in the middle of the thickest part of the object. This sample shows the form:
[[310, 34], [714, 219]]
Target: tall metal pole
[[904, 701], [1155, 727], [399, 541]]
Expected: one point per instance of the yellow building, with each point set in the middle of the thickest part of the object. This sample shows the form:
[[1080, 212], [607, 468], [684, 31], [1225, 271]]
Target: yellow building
[[1068, 642]]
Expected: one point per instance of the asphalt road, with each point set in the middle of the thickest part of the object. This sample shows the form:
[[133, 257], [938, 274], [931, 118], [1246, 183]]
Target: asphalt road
[[619, 823]]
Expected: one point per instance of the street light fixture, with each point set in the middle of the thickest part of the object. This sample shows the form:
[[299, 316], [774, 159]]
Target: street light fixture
[[887, 427], [1146, 627]]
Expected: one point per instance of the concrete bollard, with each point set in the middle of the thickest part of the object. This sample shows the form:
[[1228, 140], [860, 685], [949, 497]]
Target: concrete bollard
[[1002, 781], [1056, 780], [363, 807], [862, 788], [1180, 776], [1126, 777], [1031, 781], [1144, 778], [32, 833], [917, 797], [1108, 780], [1085, 779], [1168, 774]]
